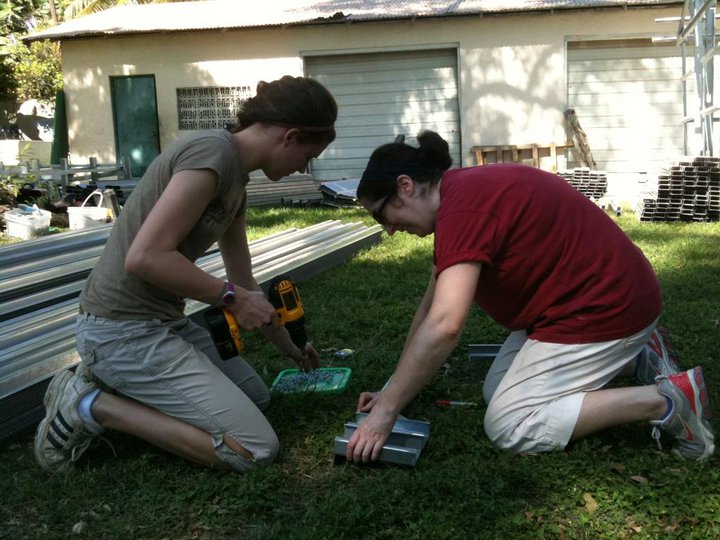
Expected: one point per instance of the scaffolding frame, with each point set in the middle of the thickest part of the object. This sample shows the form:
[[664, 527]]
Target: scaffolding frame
[[696, 30]]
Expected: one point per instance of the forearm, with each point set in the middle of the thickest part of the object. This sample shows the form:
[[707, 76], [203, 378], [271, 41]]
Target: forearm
[[280, 337], [420, 360], [422, 309]]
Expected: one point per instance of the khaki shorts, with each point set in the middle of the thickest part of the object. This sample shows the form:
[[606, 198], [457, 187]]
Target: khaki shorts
[[174, 367], [535, 390]]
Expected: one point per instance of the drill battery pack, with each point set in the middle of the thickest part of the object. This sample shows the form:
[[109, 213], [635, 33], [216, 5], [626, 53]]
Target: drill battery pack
[[225, 332]]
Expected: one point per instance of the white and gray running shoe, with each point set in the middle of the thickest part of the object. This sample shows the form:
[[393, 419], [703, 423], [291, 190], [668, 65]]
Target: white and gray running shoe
[[689, 417]]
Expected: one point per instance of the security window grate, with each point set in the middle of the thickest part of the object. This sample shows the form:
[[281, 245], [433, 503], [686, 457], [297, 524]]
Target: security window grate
[[209, 107]]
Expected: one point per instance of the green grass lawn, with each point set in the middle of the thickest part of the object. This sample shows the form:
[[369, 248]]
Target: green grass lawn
[[615, 484]]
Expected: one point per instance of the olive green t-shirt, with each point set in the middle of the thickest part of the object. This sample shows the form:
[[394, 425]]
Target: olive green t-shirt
[[112, 292]]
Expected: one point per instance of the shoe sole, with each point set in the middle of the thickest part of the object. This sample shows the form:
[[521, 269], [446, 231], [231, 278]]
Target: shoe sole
[[52, 399], [702, 404]]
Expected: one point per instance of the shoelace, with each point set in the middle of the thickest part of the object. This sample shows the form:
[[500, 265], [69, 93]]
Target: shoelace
[[656, 435], [79, 449]]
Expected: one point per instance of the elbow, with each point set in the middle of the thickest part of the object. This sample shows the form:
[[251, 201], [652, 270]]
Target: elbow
[[451, 330], [136, 262]]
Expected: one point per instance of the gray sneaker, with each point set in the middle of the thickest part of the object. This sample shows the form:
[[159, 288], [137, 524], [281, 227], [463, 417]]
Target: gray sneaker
[[657, 358], [689, 418], [62, 436]]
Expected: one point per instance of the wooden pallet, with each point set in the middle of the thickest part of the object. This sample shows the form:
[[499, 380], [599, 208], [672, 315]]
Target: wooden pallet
[[531, 154]]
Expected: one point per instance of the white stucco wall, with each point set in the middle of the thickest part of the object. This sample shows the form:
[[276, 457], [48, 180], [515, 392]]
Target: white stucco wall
[[511, 68]]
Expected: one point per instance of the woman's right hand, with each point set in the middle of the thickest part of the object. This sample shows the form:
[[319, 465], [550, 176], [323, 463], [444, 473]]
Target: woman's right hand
[[252, 310], [367, 401]]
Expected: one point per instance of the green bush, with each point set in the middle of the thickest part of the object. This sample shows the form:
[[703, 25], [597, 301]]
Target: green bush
[[9, 187], [36, 69]]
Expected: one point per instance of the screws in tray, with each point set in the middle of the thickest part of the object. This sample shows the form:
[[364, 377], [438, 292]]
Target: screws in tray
[[303, 382]]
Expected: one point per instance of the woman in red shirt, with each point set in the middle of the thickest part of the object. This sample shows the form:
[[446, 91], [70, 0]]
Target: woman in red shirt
[[580, 300]]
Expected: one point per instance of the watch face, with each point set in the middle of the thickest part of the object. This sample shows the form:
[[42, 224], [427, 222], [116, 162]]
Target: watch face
[[229, 296]]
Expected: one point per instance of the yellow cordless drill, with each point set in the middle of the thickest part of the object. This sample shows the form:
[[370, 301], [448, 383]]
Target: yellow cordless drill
[[283, 295]]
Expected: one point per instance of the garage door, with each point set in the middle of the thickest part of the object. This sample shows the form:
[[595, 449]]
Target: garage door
[[382, 95], [628, 98]]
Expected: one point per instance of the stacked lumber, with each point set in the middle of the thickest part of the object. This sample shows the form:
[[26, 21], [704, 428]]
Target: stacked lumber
[[689, 192]]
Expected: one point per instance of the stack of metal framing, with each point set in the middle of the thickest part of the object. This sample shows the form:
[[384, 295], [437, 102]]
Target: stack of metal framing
[[42, 279], [592, 184], [690, 192]]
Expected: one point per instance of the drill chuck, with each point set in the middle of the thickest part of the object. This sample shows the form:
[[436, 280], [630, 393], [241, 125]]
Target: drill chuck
[[297, 332]]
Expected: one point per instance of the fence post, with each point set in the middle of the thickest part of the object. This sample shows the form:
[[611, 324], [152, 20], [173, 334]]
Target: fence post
[[127, 168], [93, 169], [64, 176]]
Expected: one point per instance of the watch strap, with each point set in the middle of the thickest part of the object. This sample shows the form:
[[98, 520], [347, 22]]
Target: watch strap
[[228, 296]]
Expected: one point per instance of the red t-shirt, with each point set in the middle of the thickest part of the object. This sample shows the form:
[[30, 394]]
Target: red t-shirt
[[553, 263]]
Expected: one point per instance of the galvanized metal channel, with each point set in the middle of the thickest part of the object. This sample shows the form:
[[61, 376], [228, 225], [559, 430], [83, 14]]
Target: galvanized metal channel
[[403, 446], [48, 246], [37, 339]]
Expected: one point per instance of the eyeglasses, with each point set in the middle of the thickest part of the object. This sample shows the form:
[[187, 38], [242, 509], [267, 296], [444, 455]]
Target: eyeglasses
[[377, 214]]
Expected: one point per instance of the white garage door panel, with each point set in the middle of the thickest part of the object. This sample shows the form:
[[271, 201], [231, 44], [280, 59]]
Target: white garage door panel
[[661, 75], [651, 86], [338, 160], [628, 99], [348, 145], [361, 146], [392, 92], [402, 110], [382, 95]]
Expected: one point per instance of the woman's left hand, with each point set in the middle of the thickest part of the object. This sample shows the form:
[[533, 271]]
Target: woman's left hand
[[309, 360], [368, 439]]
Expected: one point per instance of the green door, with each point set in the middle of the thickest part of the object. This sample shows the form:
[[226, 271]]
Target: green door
[[135, 119]]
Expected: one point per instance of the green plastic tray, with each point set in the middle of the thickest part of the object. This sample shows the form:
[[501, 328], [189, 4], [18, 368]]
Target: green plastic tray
[[321, 380]]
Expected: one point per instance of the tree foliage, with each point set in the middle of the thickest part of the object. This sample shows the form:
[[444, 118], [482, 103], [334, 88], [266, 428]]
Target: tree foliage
[[34, 71], [37, 70], [17, 18]]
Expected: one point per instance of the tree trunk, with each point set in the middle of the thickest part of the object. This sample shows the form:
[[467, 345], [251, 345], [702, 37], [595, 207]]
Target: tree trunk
[[53, 12]]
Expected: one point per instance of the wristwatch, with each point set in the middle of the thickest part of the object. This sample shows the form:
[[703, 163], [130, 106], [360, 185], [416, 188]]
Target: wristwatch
[[228, 296]]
